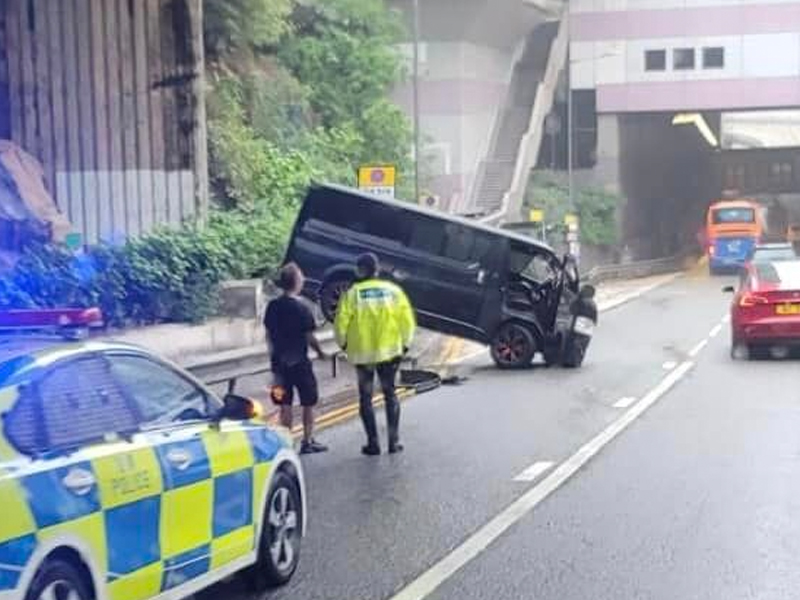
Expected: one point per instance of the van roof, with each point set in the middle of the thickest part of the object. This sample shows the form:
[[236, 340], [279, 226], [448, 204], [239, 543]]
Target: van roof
[[434, 213]]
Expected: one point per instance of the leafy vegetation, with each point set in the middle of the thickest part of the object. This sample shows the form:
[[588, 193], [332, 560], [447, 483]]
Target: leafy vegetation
[[297, 91], [597, 209]]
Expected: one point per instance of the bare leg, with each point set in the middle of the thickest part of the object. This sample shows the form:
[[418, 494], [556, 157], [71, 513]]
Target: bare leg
[[308, 423], [287, 417]]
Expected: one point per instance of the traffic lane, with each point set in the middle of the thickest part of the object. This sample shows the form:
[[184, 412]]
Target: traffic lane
[[375, 524], [698, 499]]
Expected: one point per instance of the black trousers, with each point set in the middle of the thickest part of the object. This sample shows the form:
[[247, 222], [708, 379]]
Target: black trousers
[[366, 389]]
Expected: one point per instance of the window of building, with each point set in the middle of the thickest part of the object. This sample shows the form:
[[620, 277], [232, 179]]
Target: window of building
[[714, 58], [655, 60], [683, 59]]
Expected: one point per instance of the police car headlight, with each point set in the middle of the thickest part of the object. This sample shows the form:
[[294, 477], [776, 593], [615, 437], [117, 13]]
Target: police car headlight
[[584, 326]]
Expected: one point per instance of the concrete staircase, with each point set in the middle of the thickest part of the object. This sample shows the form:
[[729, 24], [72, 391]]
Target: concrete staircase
[[520, 123]]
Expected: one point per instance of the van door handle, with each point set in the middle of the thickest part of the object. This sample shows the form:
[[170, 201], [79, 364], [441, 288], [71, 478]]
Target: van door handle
[[180, 458], [79, 481], [481, 277]]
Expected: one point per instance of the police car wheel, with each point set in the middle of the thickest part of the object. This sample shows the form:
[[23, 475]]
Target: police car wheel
[[279, 551], [58, 580]]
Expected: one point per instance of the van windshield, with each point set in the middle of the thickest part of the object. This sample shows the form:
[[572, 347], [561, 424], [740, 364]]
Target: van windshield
[[531, 266]]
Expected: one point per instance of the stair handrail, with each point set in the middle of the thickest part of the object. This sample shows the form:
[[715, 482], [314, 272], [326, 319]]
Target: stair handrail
[[528, 152], [485, 156]]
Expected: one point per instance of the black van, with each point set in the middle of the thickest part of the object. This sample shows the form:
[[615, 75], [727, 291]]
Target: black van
[[464, 279]]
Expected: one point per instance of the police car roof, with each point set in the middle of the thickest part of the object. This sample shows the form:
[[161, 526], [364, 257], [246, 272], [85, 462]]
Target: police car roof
[[47, 348], [410, 206]]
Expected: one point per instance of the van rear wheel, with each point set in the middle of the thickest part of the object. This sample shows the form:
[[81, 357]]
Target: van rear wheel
[[514, 346], [330, 294]]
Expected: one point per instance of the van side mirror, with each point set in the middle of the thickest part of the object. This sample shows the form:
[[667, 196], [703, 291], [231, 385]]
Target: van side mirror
[[239, 408], [729, 289]]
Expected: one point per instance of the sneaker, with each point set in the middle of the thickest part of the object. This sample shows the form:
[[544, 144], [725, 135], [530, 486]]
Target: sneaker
[[312, 447], [395, 448], [371, 450]]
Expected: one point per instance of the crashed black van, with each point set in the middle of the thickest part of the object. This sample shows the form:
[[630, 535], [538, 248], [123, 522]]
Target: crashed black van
[[464, 279]]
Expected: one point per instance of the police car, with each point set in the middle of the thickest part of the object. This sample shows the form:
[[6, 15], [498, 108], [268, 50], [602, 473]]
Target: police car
[[124, 478]]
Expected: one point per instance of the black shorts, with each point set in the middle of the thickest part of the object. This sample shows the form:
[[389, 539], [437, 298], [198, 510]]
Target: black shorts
[[298, 377]]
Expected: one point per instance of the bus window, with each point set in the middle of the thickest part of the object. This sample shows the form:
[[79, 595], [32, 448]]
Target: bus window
[[722, 216]]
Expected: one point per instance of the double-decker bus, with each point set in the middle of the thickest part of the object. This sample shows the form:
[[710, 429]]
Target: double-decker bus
[[733, 229]]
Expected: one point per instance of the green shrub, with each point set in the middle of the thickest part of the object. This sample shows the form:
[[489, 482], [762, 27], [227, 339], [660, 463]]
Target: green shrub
[[165, 276]]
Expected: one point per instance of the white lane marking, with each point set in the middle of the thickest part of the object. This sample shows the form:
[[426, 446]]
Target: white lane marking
[[669, 365], [715, 331], [625, 402], [430, 580], [533, 472], [698, 349]]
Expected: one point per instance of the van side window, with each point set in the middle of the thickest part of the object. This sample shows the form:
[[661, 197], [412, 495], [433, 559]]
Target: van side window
[[459, 242], [426, 235]]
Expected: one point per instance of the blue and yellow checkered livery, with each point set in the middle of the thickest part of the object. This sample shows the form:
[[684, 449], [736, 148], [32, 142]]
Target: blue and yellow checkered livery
[[154, 513]]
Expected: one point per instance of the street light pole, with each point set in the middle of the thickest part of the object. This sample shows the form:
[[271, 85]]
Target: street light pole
[[417, 133], [571, 198]]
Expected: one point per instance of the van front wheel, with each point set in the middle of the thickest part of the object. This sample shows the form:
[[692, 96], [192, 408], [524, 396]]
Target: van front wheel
[[330, 294], [514, 346]]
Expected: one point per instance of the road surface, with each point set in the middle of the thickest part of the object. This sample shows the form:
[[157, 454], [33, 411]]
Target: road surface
[[661, 470]]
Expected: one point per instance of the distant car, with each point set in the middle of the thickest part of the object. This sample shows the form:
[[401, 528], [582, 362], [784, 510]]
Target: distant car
[[766, 253], [765, 313], [121, 476]]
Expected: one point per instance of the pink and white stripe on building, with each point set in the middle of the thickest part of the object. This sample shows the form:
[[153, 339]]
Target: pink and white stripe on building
[[670, 55]]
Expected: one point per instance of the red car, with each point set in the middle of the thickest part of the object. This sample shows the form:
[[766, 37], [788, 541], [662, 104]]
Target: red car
[[765, 315]]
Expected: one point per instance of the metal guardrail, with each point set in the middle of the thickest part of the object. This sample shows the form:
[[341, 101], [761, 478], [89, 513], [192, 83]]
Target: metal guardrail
[[228, 368], [644, 268]]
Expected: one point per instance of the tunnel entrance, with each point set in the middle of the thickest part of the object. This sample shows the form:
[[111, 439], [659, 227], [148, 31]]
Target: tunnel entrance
[[670, 172]]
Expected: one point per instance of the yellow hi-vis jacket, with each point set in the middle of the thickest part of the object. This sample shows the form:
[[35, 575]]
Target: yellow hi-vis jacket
[[374, 322]]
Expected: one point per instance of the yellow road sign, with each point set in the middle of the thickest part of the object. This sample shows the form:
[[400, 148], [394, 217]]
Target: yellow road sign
[[371, 177], [537, 215]]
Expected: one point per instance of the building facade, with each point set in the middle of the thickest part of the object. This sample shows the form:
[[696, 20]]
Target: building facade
[[670, 55]]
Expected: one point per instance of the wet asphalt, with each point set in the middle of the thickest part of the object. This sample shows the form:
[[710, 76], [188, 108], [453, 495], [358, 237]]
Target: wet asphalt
[[698, 498]]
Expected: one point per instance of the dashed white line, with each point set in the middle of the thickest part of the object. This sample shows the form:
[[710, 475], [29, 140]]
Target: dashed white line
[[430, 580], [715, 331], [669, 365], [534, 471], [698, 349], [625, 402]]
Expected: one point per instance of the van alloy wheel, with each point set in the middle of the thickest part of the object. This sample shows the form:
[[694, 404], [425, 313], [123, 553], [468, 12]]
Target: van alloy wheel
[[514, 346]]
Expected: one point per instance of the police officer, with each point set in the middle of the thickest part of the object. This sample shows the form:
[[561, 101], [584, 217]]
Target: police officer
[[375, 324]]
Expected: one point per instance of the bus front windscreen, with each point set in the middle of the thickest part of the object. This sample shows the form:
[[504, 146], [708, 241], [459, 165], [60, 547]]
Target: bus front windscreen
[[724, 216]]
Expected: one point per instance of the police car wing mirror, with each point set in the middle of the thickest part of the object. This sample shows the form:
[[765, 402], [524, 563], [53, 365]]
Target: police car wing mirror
[[239, 408]]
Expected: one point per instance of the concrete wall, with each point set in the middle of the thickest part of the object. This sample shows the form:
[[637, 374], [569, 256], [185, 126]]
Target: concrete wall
[[108, 96], [466, 54], [462, 85]]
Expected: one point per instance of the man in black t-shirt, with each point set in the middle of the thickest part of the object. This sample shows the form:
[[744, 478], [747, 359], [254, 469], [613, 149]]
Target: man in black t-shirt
[[290, 331]]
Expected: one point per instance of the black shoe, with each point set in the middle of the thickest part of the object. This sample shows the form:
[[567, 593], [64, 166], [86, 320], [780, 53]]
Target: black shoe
[[312, 447], [371, 450], [395, 448]]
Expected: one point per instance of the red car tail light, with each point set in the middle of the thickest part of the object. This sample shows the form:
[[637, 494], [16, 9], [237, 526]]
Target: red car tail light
[[750, 299]]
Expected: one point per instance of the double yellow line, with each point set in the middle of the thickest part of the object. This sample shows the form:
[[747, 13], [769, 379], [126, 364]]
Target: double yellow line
[[451, 351]]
